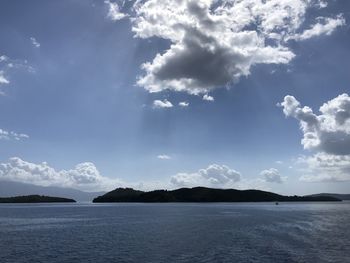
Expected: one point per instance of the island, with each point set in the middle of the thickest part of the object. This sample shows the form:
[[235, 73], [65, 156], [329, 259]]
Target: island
[[339, 196], [35, 199], [202, 194]]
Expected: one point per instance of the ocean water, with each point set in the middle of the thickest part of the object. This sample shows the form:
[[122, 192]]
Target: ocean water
[[221, 232]]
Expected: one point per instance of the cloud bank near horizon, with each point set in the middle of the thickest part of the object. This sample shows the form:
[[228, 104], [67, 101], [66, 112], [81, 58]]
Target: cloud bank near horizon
[[272, 175], [213, 176], [84, 176]]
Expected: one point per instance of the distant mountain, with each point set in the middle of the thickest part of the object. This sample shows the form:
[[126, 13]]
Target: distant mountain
[[202, 194], [36, 199], [339, 196], [8, 189]]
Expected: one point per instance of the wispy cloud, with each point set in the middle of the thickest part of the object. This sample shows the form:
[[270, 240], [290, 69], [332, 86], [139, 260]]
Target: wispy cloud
[[158, 104], [35, 42], [164, 157], [325, 26], [114, 12], [10, 135], [184, 104], [7, 66]]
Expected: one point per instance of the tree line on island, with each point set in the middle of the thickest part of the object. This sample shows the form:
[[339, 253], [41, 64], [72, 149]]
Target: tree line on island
[[196, 194], [203, 194], [36, 199]]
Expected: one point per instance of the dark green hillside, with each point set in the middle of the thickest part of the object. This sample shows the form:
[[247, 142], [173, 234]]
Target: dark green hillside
[[35, 199], [338, 196], [202, 194]]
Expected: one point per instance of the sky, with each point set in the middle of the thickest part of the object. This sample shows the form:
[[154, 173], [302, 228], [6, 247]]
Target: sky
[[154, 94]]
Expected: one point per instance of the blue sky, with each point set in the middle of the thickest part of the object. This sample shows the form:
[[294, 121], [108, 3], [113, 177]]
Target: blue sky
[[74, 92]]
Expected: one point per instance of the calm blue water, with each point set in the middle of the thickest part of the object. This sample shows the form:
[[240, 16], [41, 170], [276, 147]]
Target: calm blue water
[[290, 232]]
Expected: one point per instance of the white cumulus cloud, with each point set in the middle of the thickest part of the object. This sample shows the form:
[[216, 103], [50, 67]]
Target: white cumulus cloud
[[83, 176], [213, 43], [3, 79], [207, 97], [158, 104], [213, 176], [327, 134], [322, 4], [272, 175], [329, 131]]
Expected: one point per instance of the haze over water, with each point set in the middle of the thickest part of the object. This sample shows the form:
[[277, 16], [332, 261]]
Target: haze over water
[[243, 232]]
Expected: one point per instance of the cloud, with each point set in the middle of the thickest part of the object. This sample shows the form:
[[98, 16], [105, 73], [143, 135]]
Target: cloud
[[184, 104], [327, 134], [83, 176], [114, 11], [3, 58], [35, 42], [326, 26], [158, 104], [164, 157], [272, 175], [323, 167], [208, 97], [7, 65], [213, 176], [86, 177], [213, 43], [10, 135], [3, 79], [322, 4]]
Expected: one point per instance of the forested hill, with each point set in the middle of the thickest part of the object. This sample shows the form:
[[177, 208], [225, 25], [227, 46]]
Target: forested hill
[[35, 199], [202, 194]]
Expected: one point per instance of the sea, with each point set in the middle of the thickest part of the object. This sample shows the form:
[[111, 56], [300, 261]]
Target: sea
[[175, 232]]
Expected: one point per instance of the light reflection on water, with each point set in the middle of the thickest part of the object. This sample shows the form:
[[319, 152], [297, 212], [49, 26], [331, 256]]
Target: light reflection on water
[[221, 232]]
